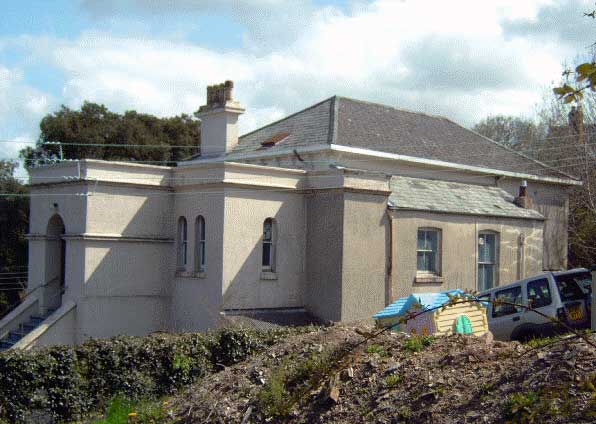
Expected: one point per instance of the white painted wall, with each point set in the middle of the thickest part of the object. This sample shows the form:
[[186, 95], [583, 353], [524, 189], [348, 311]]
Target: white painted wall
[[243, 284]]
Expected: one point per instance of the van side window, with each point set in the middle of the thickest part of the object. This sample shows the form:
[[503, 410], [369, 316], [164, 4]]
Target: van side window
[[539, 293], [511, 295]]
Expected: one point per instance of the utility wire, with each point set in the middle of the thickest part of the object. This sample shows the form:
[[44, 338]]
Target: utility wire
[[507, 148], [315, 161], [56, 143], [172, 178], [107, 144]]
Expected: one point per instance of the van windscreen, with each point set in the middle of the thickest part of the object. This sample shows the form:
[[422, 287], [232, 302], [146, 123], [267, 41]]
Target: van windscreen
[[568, 286]]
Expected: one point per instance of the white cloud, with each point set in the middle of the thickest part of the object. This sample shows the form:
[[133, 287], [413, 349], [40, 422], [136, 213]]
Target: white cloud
[[459, 59], [21, 108], [269, 24]]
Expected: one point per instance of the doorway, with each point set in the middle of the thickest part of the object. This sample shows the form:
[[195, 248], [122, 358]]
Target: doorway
[[55, 271]]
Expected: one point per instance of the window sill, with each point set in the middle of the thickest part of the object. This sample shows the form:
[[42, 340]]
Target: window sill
[[184, 274], [268, 275], [429, 278], [201, 274]]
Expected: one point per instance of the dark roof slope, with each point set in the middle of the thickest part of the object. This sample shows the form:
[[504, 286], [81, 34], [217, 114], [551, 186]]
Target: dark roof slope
[[356, 123], [309, 126]]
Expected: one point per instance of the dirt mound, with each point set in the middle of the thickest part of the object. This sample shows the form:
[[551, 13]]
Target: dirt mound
[[394, 378]]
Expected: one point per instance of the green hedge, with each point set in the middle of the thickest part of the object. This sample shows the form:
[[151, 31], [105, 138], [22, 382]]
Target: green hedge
[[69, 381]]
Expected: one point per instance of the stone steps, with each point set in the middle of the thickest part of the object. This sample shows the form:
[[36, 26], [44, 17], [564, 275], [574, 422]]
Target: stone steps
[[14, 336]]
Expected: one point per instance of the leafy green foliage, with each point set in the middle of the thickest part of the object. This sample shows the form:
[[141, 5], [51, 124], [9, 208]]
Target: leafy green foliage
[[521, 407], [233, 346], [585, 79], [14, 224], [418, 343], [66, 382], [96, 126]]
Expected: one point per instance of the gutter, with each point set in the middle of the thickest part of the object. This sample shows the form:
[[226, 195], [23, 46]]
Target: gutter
[[450, 165], [375, 154], [257, 154], [538, 217]]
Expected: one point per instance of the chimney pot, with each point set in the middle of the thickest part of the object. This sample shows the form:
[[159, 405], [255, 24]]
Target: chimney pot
[[523, 200], [523, 189]]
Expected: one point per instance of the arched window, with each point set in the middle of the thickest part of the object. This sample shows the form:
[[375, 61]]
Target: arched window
[[488, 254], [182, 243], [200, 247], [269, 245]]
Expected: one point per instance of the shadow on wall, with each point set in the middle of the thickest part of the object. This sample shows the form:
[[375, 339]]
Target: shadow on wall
[[247, 283], [121, 285], [55, 264]]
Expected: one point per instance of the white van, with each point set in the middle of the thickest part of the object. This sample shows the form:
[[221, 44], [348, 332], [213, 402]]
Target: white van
[[560, 294]]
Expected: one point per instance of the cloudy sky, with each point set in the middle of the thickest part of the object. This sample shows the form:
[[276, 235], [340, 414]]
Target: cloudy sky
[[464, 59]]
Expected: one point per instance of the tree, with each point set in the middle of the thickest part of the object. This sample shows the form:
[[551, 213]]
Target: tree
[[88, 133], [14, 223], [510, 131], [568, 144], [91, 132], [563, 137]]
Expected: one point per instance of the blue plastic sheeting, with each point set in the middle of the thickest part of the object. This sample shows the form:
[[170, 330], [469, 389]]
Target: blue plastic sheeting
[[427, 300]]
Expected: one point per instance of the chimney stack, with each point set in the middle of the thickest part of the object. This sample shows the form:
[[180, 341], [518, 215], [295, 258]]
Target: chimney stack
[[524, 200], [219, 120], [576, 123]]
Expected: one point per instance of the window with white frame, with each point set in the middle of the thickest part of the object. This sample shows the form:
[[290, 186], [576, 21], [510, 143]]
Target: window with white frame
[[269, 245], [200, 247], [428, 251], [182, 243], [488, 253]]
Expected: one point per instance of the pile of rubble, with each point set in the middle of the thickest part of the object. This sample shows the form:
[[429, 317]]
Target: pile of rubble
[[390, 379]]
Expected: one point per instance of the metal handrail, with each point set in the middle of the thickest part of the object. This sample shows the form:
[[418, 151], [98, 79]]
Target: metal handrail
[[28, 295]]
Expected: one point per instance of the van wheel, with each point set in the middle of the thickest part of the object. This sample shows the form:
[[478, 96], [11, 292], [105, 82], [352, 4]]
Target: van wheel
[[525, 335]]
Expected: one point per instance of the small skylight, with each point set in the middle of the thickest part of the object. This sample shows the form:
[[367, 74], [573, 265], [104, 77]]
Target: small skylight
[[274, 139]]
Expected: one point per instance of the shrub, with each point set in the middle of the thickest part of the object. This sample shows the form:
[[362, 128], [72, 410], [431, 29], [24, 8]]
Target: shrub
[[65, 382]]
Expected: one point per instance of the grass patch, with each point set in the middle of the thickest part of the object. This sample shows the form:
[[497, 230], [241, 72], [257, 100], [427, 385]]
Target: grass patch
[[123, 411], [538, 342], [392, 381], [378, 349], [418, 343], [291, 381], [275, 399]]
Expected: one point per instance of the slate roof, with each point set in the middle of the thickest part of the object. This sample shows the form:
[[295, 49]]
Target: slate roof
[[427, 300], [309, 126], [355, 123], [450, 197]]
